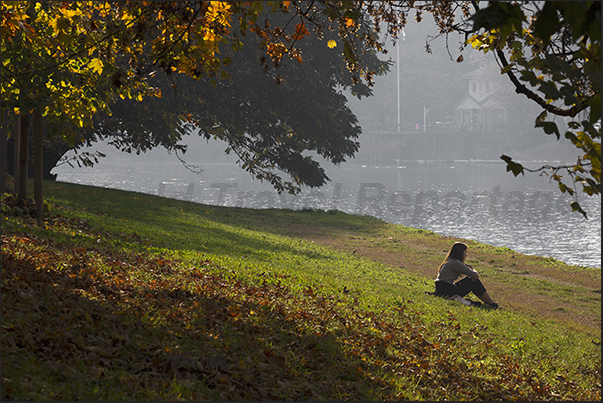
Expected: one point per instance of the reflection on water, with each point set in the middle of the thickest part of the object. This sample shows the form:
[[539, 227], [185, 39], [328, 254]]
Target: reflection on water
[[465, 199]]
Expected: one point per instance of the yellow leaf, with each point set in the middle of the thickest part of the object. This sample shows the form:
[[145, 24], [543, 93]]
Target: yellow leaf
[[96, 65], [127, 17], [69, 13], [331, 44]]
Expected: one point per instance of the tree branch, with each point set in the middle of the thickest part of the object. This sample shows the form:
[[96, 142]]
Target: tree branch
[[522, 89]]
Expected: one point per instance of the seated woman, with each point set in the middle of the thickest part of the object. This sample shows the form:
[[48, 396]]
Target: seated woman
[[451, 268]]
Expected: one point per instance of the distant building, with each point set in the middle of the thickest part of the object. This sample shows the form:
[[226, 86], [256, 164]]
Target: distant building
[[479, 110]]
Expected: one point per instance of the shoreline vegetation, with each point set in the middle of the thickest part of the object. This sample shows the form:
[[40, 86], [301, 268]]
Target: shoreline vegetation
[[126, 296]]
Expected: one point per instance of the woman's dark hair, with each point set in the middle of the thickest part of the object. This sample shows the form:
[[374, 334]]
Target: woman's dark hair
[[456, 252]]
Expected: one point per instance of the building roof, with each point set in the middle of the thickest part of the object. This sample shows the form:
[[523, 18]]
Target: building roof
[[469, 102]]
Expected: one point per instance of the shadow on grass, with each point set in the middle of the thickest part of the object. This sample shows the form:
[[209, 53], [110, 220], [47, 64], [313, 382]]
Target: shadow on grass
[[79, 332]]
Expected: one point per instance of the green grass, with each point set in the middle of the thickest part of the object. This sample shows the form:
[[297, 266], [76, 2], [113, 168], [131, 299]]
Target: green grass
[[120, 295]]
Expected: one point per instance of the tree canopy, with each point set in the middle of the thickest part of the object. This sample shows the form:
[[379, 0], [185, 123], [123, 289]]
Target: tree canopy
[[94, 61], [270, 127], [73, 60]]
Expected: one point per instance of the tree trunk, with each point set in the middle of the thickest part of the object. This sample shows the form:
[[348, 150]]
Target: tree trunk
[[3, 151], [23, 160], [17, 139], [38, 162]]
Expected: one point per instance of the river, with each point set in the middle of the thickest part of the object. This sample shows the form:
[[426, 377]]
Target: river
[[471, 199]]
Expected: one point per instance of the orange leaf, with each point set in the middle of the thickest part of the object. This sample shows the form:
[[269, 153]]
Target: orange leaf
[[300, 31]]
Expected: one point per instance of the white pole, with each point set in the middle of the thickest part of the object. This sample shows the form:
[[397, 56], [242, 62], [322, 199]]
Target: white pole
[[424, 119], [425, 112], [398, 75]]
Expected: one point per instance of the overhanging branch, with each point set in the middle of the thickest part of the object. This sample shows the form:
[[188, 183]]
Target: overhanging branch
[[522, 89]]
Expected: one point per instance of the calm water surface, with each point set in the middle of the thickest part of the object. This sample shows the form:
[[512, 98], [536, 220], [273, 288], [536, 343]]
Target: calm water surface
[[469, 199]]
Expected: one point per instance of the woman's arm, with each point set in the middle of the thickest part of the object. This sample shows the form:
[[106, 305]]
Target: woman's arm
[[470, 271]]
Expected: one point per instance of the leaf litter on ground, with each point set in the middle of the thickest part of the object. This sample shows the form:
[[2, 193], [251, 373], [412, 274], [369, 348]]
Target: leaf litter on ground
[[103, 323]]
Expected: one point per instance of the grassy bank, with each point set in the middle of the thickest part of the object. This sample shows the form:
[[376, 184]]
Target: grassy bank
[[121, 295]]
